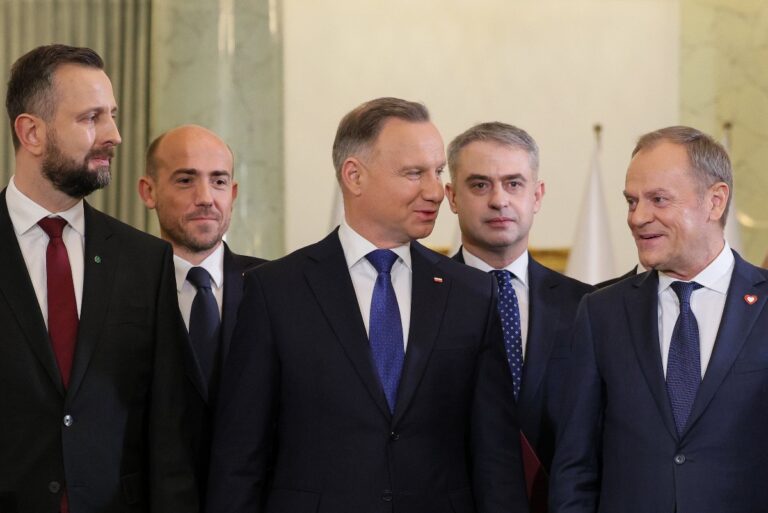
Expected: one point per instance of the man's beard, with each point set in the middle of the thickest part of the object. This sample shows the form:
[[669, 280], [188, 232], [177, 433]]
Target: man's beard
[[74, 178]]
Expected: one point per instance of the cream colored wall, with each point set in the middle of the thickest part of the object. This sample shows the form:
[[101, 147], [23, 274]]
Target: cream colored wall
[[724, 80], [553, 67]]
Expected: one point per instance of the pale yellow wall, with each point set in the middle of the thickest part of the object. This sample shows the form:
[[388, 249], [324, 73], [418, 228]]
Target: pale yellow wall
[[724, 78], [553, 67]]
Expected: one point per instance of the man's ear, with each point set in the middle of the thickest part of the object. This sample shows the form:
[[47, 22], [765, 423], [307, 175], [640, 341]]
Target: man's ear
[[31, 131], [718, 197], [538, 194], [450, 193], [147, 191], [351, 176]]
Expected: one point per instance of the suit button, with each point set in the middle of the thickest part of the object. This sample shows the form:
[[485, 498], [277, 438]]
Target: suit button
[[679, 459], [386, 496], [54, 487], [68, 420], [394, 437]]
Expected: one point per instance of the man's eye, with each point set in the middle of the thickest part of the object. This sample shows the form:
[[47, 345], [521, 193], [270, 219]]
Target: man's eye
[[414, 174]]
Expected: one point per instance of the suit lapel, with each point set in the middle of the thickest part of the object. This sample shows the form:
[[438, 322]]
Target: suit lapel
[[102, 255], [16, 287], [427, 309], [543, 321], [233, 293], [738, 319], [641, 305], [328, 277]]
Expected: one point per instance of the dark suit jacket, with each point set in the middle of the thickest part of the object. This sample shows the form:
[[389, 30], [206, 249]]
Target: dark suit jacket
[[127, 449], [621, 451], [606, 283], [300, 390], [201, 399], [553, 300]]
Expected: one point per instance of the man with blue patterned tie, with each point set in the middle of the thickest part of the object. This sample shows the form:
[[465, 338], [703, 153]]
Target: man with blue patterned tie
[[496, 191], [671, 366], [366, 372]]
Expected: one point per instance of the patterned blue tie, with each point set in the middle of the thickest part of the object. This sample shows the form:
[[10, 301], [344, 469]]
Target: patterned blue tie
[[683, 362], [385, 330], [509, 310], [204, 322]]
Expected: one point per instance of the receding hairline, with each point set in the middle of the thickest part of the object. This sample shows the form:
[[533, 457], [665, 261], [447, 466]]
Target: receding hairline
[[152, 161]]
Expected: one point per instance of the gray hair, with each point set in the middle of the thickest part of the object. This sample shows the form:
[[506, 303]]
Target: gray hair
[[495, 131], [709, 160]]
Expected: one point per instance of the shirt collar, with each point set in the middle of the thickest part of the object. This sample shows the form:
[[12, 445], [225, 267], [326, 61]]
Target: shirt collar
[[214, 264], [711, 276], [25, 213], [356, 246], [518, 267]]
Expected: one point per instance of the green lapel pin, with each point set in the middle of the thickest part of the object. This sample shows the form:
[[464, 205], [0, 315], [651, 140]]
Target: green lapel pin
[[97, 259]]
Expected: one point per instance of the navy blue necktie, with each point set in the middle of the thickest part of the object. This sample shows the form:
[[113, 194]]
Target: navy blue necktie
[[204, 322], [509, 311], [385, 330], [684, 362]]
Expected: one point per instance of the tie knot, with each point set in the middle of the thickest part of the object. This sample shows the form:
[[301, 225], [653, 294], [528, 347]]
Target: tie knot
[[199, 277], [503, 278], [382, 259], [52, 226], [684, 289]]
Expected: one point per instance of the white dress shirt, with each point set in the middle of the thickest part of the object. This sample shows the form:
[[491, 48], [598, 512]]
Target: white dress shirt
[[519, 267], [364, 275], [214, 264], [33, 241], [707, 304]]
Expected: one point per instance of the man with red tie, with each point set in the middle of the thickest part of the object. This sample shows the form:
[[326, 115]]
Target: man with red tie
[[495, 190], [90, 349]]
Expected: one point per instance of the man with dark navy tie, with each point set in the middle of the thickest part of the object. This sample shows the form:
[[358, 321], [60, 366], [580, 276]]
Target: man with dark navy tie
[[671, 366], [496, 191], [91, 343], [366, 372], [190, 183]]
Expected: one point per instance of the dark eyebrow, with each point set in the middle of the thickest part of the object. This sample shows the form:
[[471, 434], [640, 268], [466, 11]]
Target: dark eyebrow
[[184, 171], [478, 176]]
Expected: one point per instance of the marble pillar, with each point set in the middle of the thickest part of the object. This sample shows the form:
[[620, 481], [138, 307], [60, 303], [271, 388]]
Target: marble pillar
[[219, 64], [724, 79]]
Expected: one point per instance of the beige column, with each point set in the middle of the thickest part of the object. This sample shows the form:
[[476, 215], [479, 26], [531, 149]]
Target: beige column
[[219, 64]]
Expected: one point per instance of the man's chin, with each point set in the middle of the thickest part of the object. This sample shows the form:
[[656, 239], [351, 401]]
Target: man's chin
[[202, 244]]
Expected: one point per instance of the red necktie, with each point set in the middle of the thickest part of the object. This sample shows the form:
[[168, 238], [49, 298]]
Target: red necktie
[[62, 307]]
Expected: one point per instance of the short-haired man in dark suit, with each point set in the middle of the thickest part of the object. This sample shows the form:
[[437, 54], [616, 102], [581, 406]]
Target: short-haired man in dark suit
[[495, 190], [91, 342], [190, 183], [671, 366], [366, 372]]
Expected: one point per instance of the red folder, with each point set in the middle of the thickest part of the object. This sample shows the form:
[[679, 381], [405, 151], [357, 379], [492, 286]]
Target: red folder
[[536, 478]]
